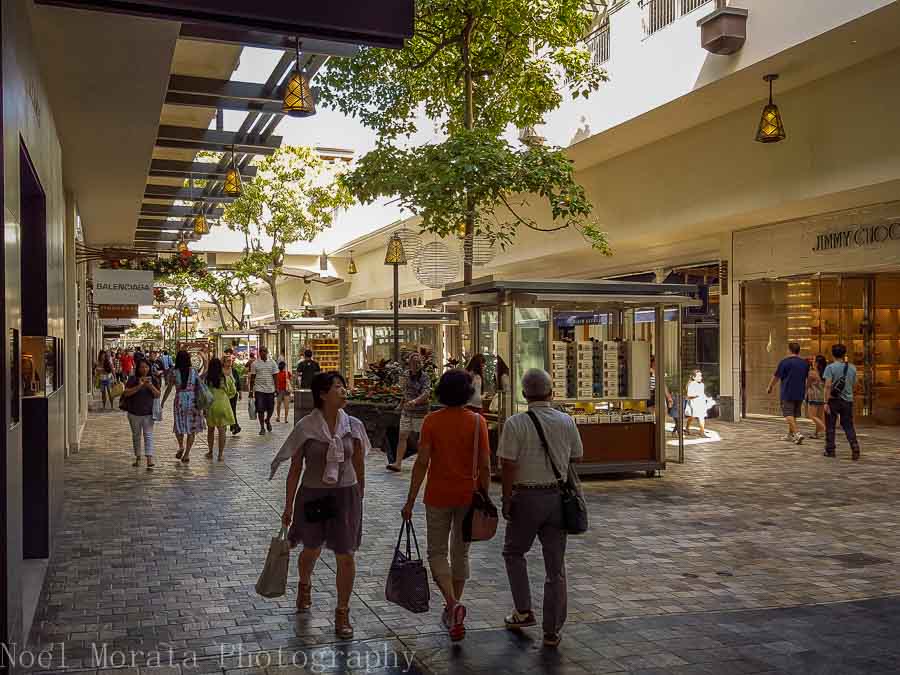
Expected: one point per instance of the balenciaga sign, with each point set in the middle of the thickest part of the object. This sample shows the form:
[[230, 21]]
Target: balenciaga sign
[[857, 237]]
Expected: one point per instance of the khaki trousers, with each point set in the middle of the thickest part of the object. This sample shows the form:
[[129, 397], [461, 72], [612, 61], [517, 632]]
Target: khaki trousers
[[445, 532]]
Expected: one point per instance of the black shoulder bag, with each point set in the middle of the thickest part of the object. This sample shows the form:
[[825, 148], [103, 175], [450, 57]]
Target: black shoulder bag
[[837, 387], [574, 508]]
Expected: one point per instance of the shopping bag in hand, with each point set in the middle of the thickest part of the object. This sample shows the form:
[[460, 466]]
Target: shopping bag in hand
[[272, 582], [407, 582], [157, 410], [251, 406]]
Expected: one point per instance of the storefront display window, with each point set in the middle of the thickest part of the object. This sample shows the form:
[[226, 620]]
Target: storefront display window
[[863, 313]]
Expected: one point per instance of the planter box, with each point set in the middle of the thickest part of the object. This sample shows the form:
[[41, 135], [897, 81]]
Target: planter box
[[724, 31]]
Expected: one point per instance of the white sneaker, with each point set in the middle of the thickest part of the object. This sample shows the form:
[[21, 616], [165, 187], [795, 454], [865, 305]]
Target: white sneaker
[[798, 439], [789, 438]]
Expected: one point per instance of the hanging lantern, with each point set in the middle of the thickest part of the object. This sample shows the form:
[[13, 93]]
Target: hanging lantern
[[185, 311], [771, 126], [232, 186], [201, 224], [306, 302], [436, 265], [351, 268], [482, 252], [396, 252], [297, 100], [412, 243], [461, 230]]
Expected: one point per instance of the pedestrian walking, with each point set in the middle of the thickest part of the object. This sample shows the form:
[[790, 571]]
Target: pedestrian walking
[[282, 391], [230, 370], [126, 362], [306, 370], [792, 371], [262, 384], [697, 405], [188, 419], [455, 456], [476, 370], [840, 379], [157, 368], [141, 390], [416, 396], [220, 415], [815, 395], [327, 449], [106, 376], [532, 503]]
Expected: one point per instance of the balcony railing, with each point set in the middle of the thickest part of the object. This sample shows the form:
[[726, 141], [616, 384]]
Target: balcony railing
[[598, 45], [658, 14]]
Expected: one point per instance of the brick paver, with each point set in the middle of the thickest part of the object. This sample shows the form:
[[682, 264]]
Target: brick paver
[[167, 560]]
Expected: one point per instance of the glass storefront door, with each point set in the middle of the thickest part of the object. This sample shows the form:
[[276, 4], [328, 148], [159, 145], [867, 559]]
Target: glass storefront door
[[861, 312]]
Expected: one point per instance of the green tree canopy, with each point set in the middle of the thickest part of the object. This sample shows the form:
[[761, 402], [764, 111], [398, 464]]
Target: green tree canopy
[[477, 67], [294, 196]]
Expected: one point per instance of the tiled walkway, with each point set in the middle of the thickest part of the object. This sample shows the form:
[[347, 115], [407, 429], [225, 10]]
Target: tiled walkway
[[166, 561]]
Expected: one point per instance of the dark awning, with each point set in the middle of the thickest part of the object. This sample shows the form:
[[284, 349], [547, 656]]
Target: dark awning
[[385, 23]]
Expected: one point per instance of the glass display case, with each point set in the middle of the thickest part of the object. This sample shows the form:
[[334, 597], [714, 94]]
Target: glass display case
[[316, 334], [367, 337]]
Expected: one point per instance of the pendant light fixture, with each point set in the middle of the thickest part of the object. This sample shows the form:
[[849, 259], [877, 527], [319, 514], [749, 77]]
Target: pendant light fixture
[[297, 100], [771, 126], [201, 226], [351, 268], [323, 265], [232, 186], [306, 302]]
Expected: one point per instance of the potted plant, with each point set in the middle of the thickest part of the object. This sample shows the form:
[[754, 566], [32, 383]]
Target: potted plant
[[724, 31]]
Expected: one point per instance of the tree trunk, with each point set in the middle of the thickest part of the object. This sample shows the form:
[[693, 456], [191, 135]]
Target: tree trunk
[[221, 314], [273, 289], [469, 121]]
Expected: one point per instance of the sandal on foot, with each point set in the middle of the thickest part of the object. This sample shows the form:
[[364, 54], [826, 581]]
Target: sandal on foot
[[304, 598], [457, 623], [221, 456], [519, 620], [208, 455], [179, 454], [552, 640], [342, 627], [137, 461]]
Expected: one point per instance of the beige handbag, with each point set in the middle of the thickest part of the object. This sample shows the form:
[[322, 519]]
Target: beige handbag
[[272, 582], [480, 523]]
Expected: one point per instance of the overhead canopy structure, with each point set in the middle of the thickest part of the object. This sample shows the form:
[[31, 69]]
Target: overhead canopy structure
[[149, 87]]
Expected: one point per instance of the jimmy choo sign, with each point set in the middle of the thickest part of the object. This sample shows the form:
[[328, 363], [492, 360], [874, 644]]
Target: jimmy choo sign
[[857, 237]]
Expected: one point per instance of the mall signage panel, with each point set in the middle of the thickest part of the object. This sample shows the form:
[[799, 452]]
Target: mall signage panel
[[123, 287], [118, 312], [857, 237]]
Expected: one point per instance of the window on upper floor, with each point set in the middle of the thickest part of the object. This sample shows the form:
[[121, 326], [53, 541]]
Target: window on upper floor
[[658, 14], [597, 44]]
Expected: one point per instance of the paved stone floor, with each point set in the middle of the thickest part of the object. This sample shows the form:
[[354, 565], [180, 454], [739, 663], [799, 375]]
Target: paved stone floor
[[752, 556]]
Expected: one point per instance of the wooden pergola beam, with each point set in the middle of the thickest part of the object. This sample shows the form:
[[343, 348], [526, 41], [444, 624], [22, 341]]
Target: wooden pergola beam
[[175, 168]]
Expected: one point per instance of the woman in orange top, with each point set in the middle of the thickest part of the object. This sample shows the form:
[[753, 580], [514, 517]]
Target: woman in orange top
[[282, 391], [448, 444]]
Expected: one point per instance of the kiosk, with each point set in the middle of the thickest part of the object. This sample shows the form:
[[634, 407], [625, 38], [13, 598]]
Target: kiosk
[[317, 334], [596, 339], [366, 337]]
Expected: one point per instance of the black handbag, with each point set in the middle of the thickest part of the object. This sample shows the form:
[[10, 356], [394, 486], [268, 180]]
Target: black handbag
[[320, 510], [407, 582], [574, 508]]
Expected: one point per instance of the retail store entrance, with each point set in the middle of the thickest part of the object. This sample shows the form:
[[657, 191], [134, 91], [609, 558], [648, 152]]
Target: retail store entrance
[[861, 311]]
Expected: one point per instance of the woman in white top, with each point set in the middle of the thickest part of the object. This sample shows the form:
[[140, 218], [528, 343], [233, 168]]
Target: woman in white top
[[695, 408], [476, 370]]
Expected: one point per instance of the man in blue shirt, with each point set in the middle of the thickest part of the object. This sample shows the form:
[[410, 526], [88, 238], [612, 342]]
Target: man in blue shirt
[[840, 379], [792, 371]]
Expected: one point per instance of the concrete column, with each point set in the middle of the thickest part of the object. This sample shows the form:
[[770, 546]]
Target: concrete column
[[72, 386], [729, 338]]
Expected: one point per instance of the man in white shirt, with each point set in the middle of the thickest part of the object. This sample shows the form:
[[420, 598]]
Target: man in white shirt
[[532, 504], [262, 384]]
